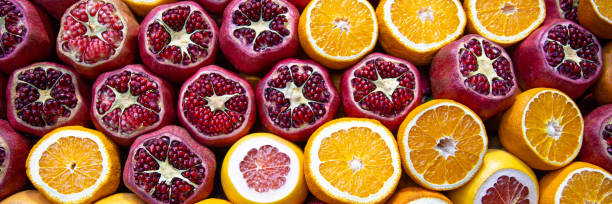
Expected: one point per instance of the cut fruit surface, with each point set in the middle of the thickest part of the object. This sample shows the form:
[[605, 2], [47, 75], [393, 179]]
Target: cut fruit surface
[[578, 182], [596, 15], [417, 195], [142, 7]]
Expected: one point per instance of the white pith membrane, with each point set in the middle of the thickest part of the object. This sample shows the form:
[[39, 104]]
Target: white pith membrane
[[563, 184], [485, 66], [520, 176], [598, 12], [35, 156], [7, 154], [388, 185], [507, 9], [260, 26], [427, 201], [240, 183]]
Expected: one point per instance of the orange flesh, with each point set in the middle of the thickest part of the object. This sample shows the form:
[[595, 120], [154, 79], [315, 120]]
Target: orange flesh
[[588, 187], [425, 21], [604, 7], [507, 17]]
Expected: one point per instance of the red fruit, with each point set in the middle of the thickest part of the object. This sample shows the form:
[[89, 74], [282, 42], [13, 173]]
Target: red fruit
[[300, 4], [597, 143], [564, 9], [55, 8], [168, 166], [381, 87], [475, 72], [44, 96], [560, 55], [129, 102], [255, 34], [97, 36], [295, 98], [214, 6], [2, 96], [26, 35], [177, 39], [14, 150], [216, 106]]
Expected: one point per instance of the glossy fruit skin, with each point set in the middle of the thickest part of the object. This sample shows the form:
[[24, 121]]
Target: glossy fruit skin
[[214, 6], [594, 145], [55, 8], [553, 10], [589, 19], [3, 102], [13, 178], [603, 87], [300, 4]]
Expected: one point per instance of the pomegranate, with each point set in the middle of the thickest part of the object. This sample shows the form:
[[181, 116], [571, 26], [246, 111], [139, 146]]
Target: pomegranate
[[597, 146], [564, 9], [45, 96], [301, 4], [26, 35], [97, 36], [476, 72], [129, 102], [214, 6], [168, 166], [55, 8], [14, 150], [295, 98], [177, 39], [381, 87], [216, 106], [562, 55], [2, 96], [255, 34]]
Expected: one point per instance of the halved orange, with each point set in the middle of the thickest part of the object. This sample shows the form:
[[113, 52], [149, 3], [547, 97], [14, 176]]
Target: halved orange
[[579, 182], [418, 195], [142, 7], [74, 164], [596, 15], [442, 144], [543, 128]]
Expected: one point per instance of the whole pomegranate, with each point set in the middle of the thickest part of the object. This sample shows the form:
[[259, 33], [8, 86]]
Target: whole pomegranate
[[295, 98], [216, 106], [129, 102], [97, 36], [300, 4], [44, 96], [381, 87], [26, 34], [176, 39], [475, 72], [14, 150], [597, 143], [55, 8], [255, 34], [564, 9], [214, 6], [168, 166]]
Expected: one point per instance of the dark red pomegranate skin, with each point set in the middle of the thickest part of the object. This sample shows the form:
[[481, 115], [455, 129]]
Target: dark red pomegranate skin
[[541, 65], [26, 35], [597, 142], [14, 150], [300, 4], [44, 96], [2, 96], [164, 26], [175, 149], [564, 9], [256, 53], [129, 102], [293, 103], [453, 78], [55, 8], [214, 6], [216, 106]]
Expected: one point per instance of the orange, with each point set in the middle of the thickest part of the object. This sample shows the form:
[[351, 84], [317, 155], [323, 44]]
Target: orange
[[123, 198], [442, 144], [213, 201], [338, 33], [352, 160], [416, 29], [26, 197], [579, 182], [596, 15], [603, 87], [142, 7], [505, 22], [418, 195], [543, 128], [74, 164]]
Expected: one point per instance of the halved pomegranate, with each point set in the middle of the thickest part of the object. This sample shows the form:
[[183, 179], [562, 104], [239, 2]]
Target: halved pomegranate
[[475, 72], [561, 55], [381, 87], [97, 36], [14, 150], [44, 96], [255, 34], [168, 166], [129, 102], [177, 39], [55, 8], [295, 98], [26, 35], [564, 9], [597, 146], [214, 6]]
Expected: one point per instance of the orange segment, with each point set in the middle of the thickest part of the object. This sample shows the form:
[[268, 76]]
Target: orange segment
[[605, 8], [433, 22], [596, 16], [578, 182]]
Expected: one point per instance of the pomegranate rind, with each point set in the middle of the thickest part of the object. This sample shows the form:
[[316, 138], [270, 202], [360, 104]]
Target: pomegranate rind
[[175, 72], [294, 190], [79, 114], [175, 133], [214, 6], [12, 170], [593, 19], [55, 8], [594, 145], [300, 4], [554, 11], [603, 87]]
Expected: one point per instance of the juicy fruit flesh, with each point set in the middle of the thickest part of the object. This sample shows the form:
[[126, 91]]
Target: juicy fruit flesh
[[507, 189], [92, 32], [12, 28], [297, 96], [606, 132], [507, 18], [587, 187], [44, 96], [572, 52], [569, 8], [265, 169], [128, 101], [425, 21], [167, 170], [604, 7], [180, 36], [383, 87], [484, 68], [260, 24]]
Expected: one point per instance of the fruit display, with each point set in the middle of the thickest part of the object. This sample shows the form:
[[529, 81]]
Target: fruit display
[[13, 151], [598, 138], [578, 182]]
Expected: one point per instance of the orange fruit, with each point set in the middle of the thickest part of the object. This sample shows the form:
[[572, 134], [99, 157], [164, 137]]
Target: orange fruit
[[123, 198], [543, 128], [579, 182], [338, 33], [73, 164], [142, 7], [416, 195], [352, 160], [26, 197], [603, 86], [442, 144], [505, 22], [596, 15], [503, 178], [213, 201], [416, 29]]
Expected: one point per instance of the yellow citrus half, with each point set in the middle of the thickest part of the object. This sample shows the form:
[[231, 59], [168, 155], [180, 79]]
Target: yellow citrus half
[[417, 195], [26, 197], [123, 198], [213, 201], [579, 182]]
